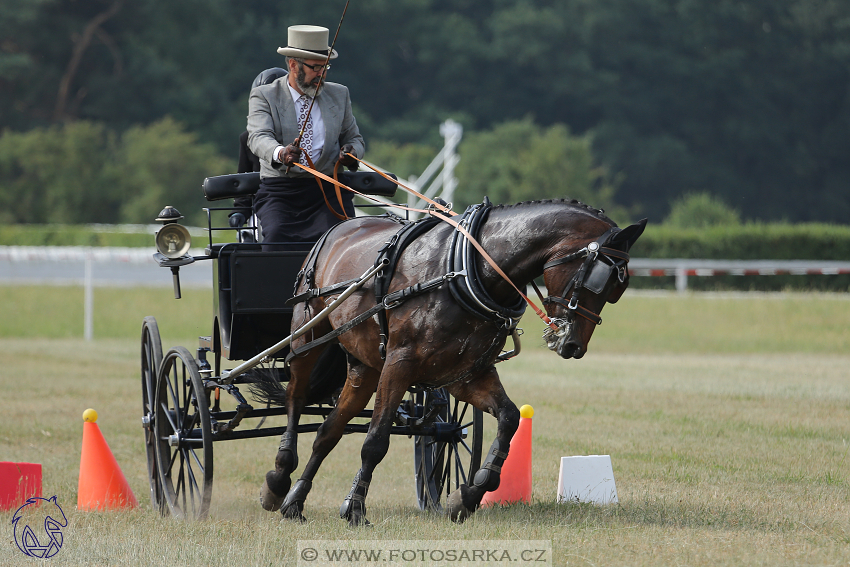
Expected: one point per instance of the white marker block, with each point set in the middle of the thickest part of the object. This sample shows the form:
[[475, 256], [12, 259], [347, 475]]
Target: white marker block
[[587, 479]]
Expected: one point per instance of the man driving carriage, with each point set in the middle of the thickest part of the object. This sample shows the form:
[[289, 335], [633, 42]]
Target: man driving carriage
[[317, 117]]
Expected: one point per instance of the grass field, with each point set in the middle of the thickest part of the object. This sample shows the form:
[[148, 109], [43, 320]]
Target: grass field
[[727, 419]]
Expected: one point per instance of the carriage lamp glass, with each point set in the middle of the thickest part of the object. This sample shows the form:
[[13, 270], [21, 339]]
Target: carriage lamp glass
[[173, 240]]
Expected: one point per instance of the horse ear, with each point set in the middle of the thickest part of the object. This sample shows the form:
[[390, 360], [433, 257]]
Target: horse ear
[[630, 234]]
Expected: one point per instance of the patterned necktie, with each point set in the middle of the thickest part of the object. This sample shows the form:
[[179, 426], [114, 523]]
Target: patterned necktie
[[307, 137]]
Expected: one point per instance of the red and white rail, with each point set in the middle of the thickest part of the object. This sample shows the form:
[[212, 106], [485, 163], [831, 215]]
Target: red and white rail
[[681, 269]]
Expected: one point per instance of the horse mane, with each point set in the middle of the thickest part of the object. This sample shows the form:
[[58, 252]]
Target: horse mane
[[573, 203]]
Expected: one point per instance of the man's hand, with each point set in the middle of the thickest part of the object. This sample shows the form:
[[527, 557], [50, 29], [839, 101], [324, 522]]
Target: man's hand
[[348, 161], [290, 155], [237, 220]]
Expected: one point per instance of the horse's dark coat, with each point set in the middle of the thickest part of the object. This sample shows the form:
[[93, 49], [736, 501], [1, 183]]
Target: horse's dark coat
[[431, 339]]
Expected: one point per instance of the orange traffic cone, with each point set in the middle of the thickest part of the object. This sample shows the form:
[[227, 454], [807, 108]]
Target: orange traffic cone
[[515, 484], [102, 484]]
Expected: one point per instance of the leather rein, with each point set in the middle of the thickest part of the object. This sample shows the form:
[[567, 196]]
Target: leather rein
[[578, 282]]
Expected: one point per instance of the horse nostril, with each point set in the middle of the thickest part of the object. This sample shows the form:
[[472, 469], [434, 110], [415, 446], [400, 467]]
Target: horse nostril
[[572, 349]]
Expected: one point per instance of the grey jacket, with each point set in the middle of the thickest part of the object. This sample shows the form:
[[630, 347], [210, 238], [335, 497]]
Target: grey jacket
[[272, 122]]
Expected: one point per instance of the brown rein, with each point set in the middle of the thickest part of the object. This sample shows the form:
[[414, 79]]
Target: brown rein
[[443, 209]]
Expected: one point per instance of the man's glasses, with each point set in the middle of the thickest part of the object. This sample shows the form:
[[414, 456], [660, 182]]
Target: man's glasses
[[316, 68]]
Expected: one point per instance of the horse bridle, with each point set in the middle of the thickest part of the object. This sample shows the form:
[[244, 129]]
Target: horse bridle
[[593, 275]]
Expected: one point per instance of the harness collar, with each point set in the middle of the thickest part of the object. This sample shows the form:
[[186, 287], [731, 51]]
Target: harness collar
[[469, 291]]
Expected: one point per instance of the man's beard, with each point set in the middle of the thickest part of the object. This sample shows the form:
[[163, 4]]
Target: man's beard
[[306, 88]]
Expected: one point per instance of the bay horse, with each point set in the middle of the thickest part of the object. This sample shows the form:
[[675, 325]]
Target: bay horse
[[447, 317]]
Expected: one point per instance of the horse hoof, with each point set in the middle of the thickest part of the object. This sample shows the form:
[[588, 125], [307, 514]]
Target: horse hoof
[[293, 512], [356, 521], [455, 507], [269, 500]]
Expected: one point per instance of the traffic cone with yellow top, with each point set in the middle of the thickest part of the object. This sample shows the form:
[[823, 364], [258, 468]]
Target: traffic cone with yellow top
[[515, 481], [102, 484]]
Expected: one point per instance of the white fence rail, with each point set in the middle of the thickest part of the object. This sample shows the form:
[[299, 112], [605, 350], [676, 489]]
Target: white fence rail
[[93, 267]]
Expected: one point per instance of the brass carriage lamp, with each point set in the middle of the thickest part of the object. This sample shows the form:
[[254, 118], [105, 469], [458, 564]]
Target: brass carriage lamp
[[172, 245], [172, 240]]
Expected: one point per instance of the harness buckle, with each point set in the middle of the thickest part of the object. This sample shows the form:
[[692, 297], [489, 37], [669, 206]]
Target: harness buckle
[[573, 305], [433, 208], [382, 348]]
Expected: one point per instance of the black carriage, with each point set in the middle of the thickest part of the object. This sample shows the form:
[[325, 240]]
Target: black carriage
[[182, 401]]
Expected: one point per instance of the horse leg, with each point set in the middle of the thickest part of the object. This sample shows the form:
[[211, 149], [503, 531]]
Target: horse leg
[[387, 399], [355, 395], [277, 481], [487, 394]]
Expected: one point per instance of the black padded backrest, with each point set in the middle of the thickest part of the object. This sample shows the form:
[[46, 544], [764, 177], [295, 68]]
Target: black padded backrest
[[231, 186], [371, 183], [236, 185]]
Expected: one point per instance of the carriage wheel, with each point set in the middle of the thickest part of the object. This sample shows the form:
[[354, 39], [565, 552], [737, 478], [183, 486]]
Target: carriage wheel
[[183, 436], [151, 359], [444, 462]]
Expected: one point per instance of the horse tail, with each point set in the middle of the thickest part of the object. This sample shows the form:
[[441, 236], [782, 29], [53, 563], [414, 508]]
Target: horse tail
[[327, 376]]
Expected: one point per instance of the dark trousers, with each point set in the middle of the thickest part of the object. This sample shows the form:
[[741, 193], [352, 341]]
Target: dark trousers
[[293, 210]]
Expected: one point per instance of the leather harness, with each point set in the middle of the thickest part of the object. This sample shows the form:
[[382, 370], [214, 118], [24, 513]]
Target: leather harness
[[471, 295]]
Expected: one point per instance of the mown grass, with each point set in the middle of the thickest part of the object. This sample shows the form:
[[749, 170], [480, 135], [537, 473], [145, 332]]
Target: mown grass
[[727, 419]]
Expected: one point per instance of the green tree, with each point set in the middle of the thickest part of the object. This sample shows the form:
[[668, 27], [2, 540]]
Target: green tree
[[746, 99], [56, 175], [700, 210], [81, 172], [404, 160], [163, 164], [520, 161]]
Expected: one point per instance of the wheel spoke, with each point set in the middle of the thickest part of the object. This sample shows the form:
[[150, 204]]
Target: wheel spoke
[[173, 395], [180, 478], [168, 415], [438, 457], [468, 449], [193, 485], [192, 452], [446, 483], [460, 473], [181, 489], [462, 413]]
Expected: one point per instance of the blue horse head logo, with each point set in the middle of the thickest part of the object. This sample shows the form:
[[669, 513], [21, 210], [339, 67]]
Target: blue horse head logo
[[46, 539]]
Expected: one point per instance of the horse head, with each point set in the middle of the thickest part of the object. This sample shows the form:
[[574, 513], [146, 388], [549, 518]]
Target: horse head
[[589, 277]]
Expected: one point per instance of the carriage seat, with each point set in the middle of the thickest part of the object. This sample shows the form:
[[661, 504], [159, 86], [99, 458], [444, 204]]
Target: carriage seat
[[235, 185]]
